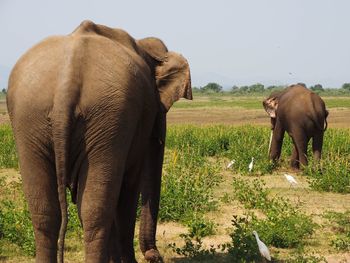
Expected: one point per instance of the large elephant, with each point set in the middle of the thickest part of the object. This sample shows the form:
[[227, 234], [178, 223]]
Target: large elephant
[[301, 113], [88, 111]]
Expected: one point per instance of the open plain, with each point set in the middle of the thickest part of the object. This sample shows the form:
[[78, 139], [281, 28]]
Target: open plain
[[203, 136]]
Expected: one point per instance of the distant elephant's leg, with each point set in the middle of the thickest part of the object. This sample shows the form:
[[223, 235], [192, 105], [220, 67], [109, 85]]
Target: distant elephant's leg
[[40, 188], [301, 142], [317, 143], [277, 140], [295, 157], [98, 193]]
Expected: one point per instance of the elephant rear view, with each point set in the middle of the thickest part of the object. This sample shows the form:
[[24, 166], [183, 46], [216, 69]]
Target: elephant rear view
[[301, 113], [88, 111]]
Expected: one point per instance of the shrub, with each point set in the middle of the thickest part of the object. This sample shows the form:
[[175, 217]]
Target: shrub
[[15, 222], [187, 186], [8, 155], [284, 225], [333, 173], [340, 223], [243, 245], [201, 227]]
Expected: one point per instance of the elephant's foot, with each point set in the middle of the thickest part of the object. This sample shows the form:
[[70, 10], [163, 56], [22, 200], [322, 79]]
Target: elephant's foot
[[44, 255], [153, 256]]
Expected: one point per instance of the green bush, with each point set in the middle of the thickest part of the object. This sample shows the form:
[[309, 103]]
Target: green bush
[[15, 222], [340, 224], [193, 247], [8, 155], [243, 246], [333, 173], [201, 227], [284, 226], [187, 186]]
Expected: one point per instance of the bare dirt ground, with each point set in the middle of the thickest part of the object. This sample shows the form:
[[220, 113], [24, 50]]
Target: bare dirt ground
[[338, 117]]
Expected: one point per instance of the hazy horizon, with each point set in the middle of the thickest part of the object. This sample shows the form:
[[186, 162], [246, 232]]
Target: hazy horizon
[[272, 42]]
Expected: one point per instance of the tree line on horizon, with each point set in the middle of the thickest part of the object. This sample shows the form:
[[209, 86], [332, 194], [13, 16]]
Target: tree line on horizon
[[213, 87]]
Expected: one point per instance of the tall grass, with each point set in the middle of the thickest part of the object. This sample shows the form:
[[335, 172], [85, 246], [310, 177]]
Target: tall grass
[[8, 155], [188, 183], [238, 143], [334, 172]]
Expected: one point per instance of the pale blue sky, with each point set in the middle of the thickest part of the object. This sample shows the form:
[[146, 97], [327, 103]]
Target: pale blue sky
[[232, 42]]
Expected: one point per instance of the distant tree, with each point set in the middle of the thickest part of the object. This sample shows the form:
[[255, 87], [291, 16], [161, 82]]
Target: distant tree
[[256, 88], [4, 91], [244, 88], [271, 87], [234, 88], [346, 86], [212, 87], [317, 87], [195, 89]]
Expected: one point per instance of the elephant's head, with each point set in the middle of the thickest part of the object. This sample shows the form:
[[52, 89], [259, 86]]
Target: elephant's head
[[271, 105], [171, 71]]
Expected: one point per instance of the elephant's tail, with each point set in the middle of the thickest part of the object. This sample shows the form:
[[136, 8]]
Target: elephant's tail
[[325, 120], [64, 105], [60, 134], [63, 116]]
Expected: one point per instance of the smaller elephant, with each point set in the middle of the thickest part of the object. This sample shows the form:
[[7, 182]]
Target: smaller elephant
[[302, 114]]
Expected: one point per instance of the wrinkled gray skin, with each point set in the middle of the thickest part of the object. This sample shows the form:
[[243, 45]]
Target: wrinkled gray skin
[[302, 114], [88, 111]]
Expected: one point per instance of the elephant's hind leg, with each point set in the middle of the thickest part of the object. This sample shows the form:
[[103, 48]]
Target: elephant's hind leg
[[301, 141], [40, 188], [295, 158], [98, 193], [317, 143], [126, 213]]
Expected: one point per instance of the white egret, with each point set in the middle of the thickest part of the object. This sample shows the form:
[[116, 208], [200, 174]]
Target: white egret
[[230, 164], [250, 167], [263, 249], [290, 179]]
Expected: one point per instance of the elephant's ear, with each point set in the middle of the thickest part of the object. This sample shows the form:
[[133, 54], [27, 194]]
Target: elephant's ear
[[271, 105], [172, 72], [173, 79]]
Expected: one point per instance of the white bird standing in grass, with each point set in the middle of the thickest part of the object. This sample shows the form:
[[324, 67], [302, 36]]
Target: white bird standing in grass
[[230, 164], [263, 249], [291, 179], [250, 167]]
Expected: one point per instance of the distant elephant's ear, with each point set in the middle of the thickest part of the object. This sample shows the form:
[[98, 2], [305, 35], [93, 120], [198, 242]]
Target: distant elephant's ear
[[172, 72], [271, 105]]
